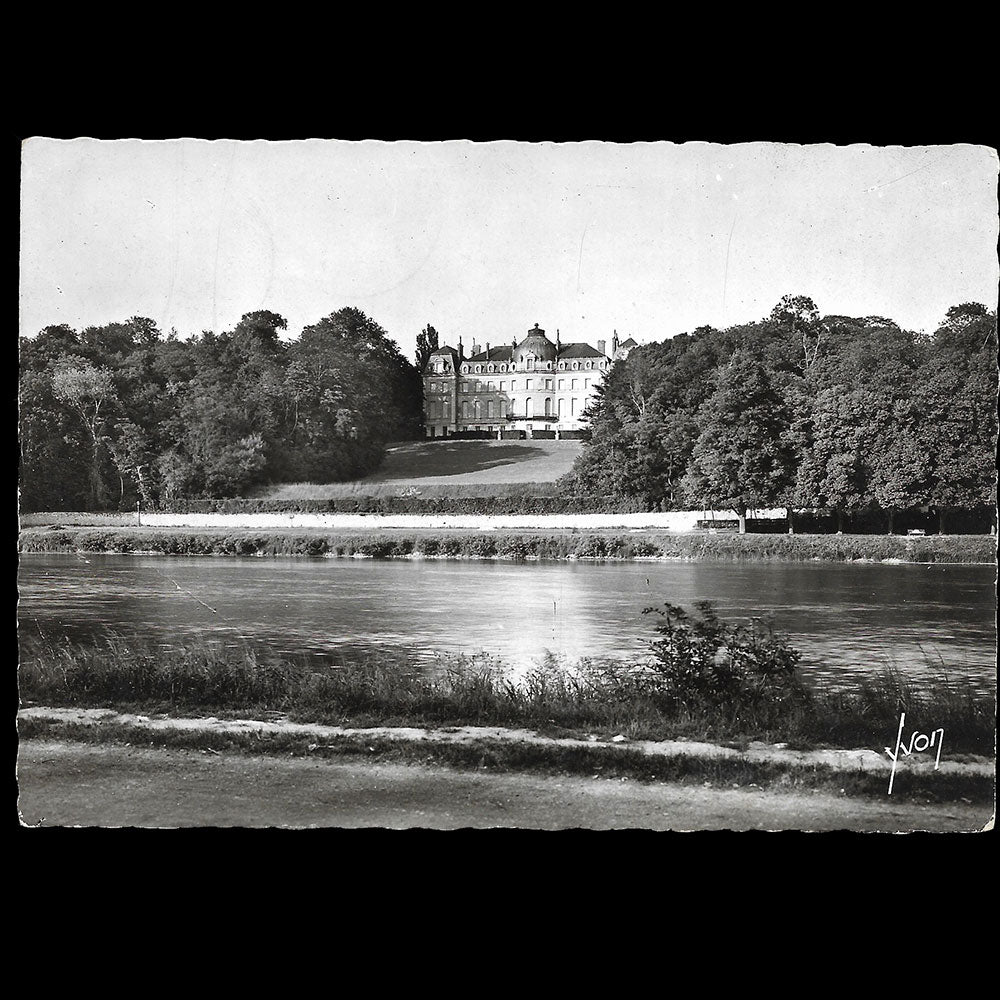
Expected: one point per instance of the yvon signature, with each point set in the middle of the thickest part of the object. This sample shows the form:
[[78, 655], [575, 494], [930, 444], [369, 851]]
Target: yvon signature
[[918, 743]]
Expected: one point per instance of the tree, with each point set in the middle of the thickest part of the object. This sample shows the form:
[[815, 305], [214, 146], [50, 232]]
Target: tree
[[427, 344], [833, 472], [799, 316], [54, 472], [900, 475], [90, 393], [352, 392], [744, 456], [967, 330], [957, 433]]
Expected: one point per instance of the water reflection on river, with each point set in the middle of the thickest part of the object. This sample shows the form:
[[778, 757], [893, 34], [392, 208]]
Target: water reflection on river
[[843, 617]]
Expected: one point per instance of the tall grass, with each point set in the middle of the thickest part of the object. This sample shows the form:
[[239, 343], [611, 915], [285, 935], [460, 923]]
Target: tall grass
[[398, 689], [874, 707]]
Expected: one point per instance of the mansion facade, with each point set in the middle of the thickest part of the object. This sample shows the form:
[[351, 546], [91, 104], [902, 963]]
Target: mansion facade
[[532, 385]]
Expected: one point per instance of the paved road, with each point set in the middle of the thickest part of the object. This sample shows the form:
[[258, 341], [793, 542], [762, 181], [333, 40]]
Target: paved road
[[76, 784]]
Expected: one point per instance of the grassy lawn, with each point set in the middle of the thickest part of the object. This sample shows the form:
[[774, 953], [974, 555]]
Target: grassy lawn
[[437, 464]]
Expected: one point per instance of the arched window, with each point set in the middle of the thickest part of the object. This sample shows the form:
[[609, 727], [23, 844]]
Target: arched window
[[465, 410], [529, 409], [478, 409], [560, 406], [479, 368], [548, 407], [489, 409]]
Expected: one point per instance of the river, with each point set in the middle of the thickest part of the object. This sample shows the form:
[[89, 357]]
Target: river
[[927, 620]]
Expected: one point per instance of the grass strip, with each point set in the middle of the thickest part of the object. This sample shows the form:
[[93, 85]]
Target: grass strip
[[509, 545], [610, 762]]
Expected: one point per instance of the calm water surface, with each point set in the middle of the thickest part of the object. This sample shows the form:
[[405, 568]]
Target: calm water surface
[[845, 618]]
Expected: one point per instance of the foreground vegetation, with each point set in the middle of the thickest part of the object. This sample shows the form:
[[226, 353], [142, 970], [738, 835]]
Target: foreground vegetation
[[684, 690], [455, 544]]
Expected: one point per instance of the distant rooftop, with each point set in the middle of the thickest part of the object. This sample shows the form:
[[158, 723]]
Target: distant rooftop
[[494, 354], [579, 351]]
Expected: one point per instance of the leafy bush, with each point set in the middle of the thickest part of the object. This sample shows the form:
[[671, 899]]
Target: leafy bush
[[704, 662]]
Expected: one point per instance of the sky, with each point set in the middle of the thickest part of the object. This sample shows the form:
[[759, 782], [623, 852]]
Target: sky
[[483, 240]]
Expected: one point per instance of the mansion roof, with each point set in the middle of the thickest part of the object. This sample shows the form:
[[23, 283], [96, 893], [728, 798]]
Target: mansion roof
[[579, 351], [493, 354]]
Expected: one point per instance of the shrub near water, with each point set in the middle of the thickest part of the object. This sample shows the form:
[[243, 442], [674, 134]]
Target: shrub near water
[[738, 670]]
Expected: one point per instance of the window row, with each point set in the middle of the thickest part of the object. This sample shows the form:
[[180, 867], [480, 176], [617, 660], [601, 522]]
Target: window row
[[530, 365], [491, 385], [477, 409]]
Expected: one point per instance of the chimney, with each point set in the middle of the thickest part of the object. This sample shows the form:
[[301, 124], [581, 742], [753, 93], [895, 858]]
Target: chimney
[[601, 344], [614, 343], [558, 346], [461, 355], [475, 347], [487, 350]]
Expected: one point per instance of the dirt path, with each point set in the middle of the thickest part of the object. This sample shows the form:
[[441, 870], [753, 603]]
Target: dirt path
[[75, 784]]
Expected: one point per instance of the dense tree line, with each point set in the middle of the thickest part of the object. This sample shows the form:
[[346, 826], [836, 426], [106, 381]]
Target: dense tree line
[[854, 416], [119, 413]]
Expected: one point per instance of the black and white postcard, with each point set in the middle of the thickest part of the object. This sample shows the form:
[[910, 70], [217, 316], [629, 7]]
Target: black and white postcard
[[540, 485]]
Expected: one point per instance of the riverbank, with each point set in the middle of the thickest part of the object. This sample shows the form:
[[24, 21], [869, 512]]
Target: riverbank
[[618, 705], [487, 543]]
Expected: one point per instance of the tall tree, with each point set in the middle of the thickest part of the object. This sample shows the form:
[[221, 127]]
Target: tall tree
[[427, 344], [744, 456], [89, 392], [833, 471]]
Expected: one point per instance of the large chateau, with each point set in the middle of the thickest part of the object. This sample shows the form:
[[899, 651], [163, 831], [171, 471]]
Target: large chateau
[[534, 385]]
